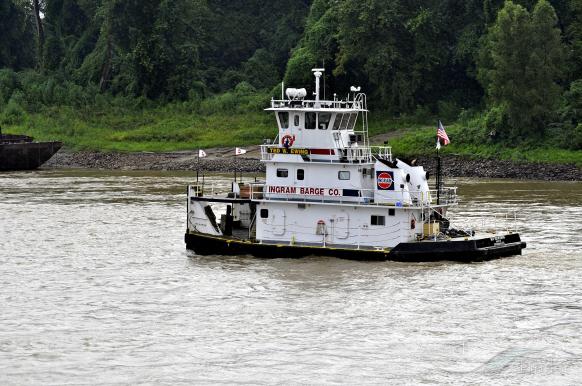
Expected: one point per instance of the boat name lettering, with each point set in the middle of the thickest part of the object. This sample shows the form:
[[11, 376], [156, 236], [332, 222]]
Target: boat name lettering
[[305, 191], [282, 150]]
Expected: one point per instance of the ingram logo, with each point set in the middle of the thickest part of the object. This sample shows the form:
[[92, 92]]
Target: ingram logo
[[385, 180]]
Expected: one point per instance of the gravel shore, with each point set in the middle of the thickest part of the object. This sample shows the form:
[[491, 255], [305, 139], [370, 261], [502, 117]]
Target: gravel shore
[[222, 160]]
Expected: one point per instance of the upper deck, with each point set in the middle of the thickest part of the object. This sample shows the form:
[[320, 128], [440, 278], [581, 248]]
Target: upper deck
[[320, 130]]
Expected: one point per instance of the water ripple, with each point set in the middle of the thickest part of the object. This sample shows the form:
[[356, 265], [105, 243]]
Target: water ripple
[[97, 288]]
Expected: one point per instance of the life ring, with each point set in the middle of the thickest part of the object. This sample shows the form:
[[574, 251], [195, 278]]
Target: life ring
[[287, 140]]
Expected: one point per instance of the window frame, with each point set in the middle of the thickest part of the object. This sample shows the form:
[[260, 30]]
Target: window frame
[[280, 114], [339, 175], [264, 213], [282, 171], [302, 174], [309, 124], [296, 120], [325, 121], [378, 220], [336, 121]]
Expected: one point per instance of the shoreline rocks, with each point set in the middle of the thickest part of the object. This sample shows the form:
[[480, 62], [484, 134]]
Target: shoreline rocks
[[223, 161]]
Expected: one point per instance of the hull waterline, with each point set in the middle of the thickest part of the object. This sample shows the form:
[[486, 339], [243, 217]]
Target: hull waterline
[[459, 250]]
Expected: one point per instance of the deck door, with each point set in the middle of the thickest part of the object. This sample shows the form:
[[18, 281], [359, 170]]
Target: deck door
[[342, 226], [278, 222]]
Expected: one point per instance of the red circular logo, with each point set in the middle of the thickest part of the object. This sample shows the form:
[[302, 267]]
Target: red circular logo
[[385, 180], [287, 140]]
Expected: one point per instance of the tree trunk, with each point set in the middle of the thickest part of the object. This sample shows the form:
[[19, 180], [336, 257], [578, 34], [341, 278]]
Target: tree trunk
[[105, 70], [39, 29]]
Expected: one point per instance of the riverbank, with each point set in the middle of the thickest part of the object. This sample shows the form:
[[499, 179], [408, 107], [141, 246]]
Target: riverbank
[[224, 160]]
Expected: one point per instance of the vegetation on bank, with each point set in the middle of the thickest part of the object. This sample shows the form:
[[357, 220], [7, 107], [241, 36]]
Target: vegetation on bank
[[236, 119], [156, 75]]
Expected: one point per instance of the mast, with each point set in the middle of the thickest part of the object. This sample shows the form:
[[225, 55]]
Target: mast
[[318, 72]]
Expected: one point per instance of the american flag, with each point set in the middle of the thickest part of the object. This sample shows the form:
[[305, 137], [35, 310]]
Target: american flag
[[442, 135]]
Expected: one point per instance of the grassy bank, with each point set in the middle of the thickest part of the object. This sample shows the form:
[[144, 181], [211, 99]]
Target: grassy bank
[[223, 123]]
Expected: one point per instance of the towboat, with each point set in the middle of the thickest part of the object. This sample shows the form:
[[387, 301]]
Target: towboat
[[328, 192], [21, 152]]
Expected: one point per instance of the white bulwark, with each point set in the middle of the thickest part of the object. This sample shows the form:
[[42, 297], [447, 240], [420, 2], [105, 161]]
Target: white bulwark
[[325, 184]]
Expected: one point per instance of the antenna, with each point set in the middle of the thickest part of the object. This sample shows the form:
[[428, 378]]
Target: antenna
[[317, 72], [324, 81]]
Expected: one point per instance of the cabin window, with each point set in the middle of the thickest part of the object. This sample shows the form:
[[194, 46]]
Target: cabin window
[[284, 120], [264, 213], [343, 175], [300, 174], [310, 121], [378, 220], [336, 122], [324, 119], [391, 212], [296, 120], [283, 173]]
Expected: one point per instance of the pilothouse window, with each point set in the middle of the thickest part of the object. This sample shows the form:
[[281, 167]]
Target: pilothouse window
[[284, 120], [336, 122], [344, 122], [310, 121], [324, 119], [352, 122]]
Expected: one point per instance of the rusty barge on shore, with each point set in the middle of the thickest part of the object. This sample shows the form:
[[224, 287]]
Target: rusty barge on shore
[[21, 152]]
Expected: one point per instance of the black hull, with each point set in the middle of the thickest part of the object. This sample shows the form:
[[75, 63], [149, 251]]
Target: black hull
[[26, 156], [461, 251]]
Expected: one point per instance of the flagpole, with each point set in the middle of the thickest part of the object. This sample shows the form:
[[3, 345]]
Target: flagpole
[[439, 167], [439, 177]]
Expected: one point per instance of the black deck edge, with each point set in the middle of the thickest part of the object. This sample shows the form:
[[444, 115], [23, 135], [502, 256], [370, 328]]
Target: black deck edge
[[488, 248]]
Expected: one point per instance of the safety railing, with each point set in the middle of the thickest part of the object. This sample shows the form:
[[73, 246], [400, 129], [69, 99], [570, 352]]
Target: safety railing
[[492, 223], [357, 104], [401, 198], [305, 194], [351, 154]]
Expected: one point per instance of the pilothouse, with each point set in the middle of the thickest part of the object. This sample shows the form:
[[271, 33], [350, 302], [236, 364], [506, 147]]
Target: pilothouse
[[328, 192]]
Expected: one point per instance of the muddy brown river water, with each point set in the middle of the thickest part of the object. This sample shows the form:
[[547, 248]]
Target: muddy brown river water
[[96, 287]]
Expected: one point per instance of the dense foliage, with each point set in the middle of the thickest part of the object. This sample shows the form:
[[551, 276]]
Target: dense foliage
[[511, 71]]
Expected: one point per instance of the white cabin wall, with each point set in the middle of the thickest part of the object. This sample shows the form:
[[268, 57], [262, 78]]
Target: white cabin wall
[[398, 193], [345, 225]]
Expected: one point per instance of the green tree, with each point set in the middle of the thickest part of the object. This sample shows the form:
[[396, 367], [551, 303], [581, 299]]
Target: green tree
[[520, 63], [574, 35], [16, 31]]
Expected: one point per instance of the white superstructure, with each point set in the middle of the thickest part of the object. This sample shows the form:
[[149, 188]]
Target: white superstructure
[[326, 185]]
